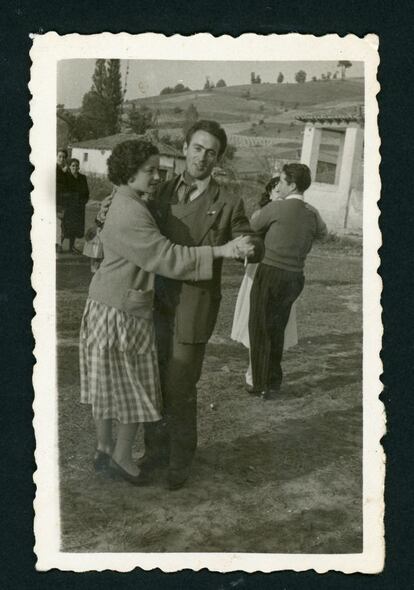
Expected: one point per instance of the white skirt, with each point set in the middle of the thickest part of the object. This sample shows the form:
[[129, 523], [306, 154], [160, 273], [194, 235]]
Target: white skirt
[[240, 328]]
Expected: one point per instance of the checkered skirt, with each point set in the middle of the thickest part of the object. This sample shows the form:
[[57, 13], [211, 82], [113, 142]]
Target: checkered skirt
[[118, 365]]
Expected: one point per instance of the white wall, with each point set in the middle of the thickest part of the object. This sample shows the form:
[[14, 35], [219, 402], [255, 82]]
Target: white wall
[[96, 163], [339, 204], [330, 202]]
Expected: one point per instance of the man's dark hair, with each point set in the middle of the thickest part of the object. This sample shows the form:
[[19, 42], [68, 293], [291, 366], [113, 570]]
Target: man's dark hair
[[211, 127], [299, 174], [126, 159], [62, 151]]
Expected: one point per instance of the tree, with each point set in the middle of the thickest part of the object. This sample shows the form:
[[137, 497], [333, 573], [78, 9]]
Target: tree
[[221, 83], [140, 120], [101, 106], [328, 75], [180, 88], [344, 65], [280, 78], [252, 78], [177, 88], [258, 79], [314, 79], [207, 84], [300, 77], [335, 76]]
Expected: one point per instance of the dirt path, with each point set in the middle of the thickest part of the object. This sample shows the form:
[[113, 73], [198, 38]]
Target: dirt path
[[279, 476]]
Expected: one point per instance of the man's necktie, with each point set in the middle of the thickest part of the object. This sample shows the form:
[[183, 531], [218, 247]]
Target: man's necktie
[[185, 194]]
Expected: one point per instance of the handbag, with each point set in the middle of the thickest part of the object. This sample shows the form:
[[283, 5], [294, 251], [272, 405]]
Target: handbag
[[94, 247]]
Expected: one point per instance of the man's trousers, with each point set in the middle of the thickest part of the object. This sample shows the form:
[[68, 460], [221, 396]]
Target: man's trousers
[[273, 293]]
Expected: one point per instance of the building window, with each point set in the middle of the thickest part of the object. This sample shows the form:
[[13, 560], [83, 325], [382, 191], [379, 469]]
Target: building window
[[85, 156], [327, 169]]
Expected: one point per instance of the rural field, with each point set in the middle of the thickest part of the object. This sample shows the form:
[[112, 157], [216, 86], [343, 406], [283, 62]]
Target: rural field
[[277, 477]]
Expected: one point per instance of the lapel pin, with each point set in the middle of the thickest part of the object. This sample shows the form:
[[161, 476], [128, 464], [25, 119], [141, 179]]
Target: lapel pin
[[211, 212]]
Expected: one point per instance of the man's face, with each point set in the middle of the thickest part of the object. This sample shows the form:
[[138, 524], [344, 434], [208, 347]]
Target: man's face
[[284, 189], [61, 159], [201, 154]]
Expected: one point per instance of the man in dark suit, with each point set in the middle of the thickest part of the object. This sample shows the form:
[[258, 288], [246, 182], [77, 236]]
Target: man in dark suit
[[192, 210]]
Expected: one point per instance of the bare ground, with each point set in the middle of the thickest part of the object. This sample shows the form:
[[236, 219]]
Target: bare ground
[[278, 477]]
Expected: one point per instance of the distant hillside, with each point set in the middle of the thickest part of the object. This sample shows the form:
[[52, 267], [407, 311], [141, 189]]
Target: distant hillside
[[248, 98]]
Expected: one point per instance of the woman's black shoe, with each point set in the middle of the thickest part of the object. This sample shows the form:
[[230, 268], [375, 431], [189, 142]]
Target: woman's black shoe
[[117, 471]]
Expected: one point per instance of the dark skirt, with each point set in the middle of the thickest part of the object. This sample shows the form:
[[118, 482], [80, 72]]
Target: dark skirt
[[73, 221], [75, 198]]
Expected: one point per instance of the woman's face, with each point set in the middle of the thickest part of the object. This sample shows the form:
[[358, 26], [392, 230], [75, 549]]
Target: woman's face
[[274, 193], [74, 168], [147, 177]]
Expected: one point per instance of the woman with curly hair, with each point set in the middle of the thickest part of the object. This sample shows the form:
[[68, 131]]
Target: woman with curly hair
[[118, 359]]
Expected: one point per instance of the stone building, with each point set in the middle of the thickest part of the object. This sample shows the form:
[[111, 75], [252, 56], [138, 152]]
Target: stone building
[[332, 147], [94, 153]]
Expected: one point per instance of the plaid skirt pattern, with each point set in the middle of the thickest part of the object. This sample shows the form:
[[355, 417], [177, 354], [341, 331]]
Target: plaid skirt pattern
[[118, 365]]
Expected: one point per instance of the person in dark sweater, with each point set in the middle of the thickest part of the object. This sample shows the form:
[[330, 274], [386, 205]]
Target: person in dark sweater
[[290, 227], [61, 190]]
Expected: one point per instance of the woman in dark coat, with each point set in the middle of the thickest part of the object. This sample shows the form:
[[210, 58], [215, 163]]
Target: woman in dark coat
[[77, 194]]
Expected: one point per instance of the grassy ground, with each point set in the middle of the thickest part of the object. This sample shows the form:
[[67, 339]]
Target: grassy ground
[[281, 476]]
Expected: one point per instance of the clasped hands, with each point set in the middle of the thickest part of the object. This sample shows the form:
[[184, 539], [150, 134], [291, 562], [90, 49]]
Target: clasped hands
[[241, 247]]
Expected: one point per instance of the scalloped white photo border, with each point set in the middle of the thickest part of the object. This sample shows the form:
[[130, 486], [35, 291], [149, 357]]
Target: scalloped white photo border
[[47, 50]]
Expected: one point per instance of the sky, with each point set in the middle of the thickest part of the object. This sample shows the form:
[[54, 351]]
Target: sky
[[149, 77]]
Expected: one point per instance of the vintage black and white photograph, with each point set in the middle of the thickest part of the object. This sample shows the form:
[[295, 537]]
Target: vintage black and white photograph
[[207, 315]]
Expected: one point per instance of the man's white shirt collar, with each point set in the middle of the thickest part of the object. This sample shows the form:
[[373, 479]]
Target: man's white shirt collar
[[295, 196]]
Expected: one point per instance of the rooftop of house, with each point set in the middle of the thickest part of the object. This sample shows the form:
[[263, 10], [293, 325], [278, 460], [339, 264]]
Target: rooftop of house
[[338, 116], [109, 142]]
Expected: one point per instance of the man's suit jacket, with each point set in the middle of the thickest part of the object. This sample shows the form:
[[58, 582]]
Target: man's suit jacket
[[212, 219]]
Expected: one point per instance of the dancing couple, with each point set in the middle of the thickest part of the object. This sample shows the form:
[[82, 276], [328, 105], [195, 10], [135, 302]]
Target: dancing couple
[[153, 302]]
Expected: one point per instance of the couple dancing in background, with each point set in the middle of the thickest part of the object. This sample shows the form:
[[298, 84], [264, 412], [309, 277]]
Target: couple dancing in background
[[154, 301], [265, 313]]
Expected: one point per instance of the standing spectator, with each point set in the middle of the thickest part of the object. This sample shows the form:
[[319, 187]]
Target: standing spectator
[[61, 187], [73, 223], [290, 228]]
